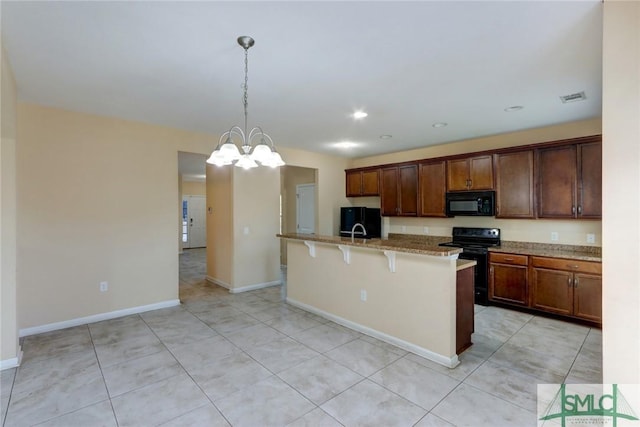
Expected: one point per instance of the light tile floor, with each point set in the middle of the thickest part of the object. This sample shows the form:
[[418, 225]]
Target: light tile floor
[[252, 360]]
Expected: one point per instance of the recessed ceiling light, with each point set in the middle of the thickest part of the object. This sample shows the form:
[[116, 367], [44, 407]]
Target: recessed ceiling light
[[345, 145], [385, 136], [439, 125], [513, 108], [360, 115]]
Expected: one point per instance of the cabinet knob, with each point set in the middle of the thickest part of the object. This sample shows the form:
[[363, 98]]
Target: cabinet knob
[[580, 209], [575, 282], [573, 209], [570, 281]]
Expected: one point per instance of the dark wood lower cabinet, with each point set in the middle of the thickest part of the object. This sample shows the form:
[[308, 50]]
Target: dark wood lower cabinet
[[560, 286], [587, 298], [552, 291], [464, 308], [508, 279]]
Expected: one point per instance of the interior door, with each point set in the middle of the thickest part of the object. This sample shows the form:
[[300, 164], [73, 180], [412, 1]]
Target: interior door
[[306, 208], [194, 222]]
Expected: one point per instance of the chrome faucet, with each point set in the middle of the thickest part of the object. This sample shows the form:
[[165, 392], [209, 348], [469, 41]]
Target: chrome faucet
[[353, 230]]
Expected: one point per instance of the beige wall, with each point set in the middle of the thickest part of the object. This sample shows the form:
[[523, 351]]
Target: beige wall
[[569, 232], [220, 223], [256, 213], [8, 316], [242, 247], [621, 194], [96, 201], [193, 188]]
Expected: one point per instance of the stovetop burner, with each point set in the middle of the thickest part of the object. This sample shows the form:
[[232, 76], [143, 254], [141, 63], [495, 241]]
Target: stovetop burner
[[471, 237]]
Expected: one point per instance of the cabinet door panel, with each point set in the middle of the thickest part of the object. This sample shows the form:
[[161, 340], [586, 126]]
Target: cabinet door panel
[[556, 182], [590, 180], [508, 284], [371, 183], [432, 189], [514, 185], [354, 183], [458, 174], [552, 291], [408, 190], [481, 173], [587, 303], [389, 192]]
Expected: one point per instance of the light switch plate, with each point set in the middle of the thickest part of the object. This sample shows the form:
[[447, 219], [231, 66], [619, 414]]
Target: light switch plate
[[591, 238]]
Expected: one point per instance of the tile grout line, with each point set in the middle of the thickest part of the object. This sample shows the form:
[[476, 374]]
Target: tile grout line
[[104, 380]]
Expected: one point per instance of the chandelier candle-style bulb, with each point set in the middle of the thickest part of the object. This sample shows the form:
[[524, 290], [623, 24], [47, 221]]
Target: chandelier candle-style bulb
[[228, 152]]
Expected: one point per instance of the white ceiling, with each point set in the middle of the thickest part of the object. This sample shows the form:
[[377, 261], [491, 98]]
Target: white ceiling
[[408, 64]]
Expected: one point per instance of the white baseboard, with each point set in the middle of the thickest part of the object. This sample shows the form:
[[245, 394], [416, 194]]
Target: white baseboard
[[449, 362], [255, 286], [243, 288], [217, 282], [97, 318], [13, 362]]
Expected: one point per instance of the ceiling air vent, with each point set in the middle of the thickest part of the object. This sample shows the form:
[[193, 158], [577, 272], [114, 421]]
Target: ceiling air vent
[[579, 96]]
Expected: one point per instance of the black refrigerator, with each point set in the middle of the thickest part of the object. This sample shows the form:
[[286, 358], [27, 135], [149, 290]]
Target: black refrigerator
[[369, 217]]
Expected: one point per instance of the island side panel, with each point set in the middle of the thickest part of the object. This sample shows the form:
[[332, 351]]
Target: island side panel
[[416, 303]]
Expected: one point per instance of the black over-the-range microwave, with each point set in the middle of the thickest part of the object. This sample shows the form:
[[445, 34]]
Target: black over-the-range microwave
[[471, 203]]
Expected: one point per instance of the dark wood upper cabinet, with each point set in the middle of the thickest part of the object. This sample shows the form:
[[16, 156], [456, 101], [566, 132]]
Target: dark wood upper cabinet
[[514, 185], [590, 180], [570, 181], [472, 173], [432, 186], [362, 182], [399, 190]]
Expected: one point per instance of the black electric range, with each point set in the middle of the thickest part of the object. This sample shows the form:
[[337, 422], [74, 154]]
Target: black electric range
[[475, 243]]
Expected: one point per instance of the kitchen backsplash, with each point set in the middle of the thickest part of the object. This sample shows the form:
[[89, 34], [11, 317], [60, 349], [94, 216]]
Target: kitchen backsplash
[[569, 232]]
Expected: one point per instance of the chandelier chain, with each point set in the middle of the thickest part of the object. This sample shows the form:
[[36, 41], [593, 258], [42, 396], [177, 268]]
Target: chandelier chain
[[246, 86]]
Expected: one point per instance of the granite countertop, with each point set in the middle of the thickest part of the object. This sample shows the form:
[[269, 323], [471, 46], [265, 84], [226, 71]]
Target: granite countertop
[[582, 253], [392, 244], [461, 264]]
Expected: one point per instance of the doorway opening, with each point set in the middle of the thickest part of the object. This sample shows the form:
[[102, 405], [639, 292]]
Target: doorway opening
[[192, 227], [298, 203]]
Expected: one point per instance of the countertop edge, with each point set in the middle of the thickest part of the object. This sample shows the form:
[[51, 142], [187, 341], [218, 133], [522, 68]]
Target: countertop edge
[[376, 244], [462, 264], [549, 253]]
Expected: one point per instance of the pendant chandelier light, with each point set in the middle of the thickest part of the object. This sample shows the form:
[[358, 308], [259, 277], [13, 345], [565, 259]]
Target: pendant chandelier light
[[264, 152]]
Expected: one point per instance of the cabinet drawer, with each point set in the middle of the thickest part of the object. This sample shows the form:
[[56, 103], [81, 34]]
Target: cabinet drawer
[[567, 265], [508, 258]]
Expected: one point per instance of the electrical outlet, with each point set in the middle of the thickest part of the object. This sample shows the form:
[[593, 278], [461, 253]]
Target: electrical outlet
[[554, 236], [363, 295], [104, 286], [403, 228], [591, 238], [426, 230], [246, 231]]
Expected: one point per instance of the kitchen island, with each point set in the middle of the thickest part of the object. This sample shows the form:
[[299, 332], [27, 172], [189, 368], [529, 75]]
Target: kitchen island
[[401, 292]]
